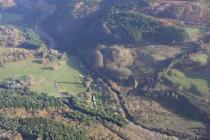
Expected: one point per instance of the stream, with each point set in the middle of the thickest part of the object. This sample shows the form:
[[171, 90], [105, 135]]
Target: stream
[[46, 37]]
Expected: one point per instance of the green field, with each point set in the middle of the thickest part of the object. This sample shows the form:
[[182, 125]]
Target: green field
[[7, 18], [64, 78], [198, 84]]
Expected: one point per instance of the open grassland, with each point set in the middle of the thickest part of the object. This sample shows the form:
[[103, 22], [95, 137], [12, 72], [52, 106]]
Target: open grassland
[[149, 59], [62, 78], [197, 84], [7, 18], [195, 75]]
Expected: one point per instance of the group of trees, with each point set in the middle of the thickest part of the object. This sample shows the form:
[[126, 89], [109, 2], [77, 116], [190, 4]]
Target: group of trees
[[32, 40], [43, 128], [131, 4], [28, 101], [13, 55], [132, 28], [50, 54], [80, 8], [36, 127], [79, 116], [101, 116], [118, 73]]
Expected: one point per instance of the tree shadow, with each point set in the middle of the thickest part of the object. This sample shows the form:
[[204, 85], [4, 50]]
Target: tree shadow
[[28, 46], [37, 61], [193, 89], [73, 63]]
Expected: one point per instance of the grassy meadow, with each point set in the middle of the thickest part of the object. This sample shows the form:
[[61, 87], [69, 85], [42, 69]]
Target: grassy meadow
[[63, 78], [194, 79], [196, 84]]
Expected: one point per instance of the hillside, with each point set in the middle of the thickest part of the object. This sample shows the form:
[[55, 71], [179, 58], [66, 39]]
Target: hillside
[[104, 69]]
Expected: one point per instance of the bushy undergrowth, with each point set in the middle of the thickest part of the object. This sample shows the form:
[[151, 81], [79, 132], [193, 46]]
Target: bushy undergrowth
[[42, 127], [30, 100]]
